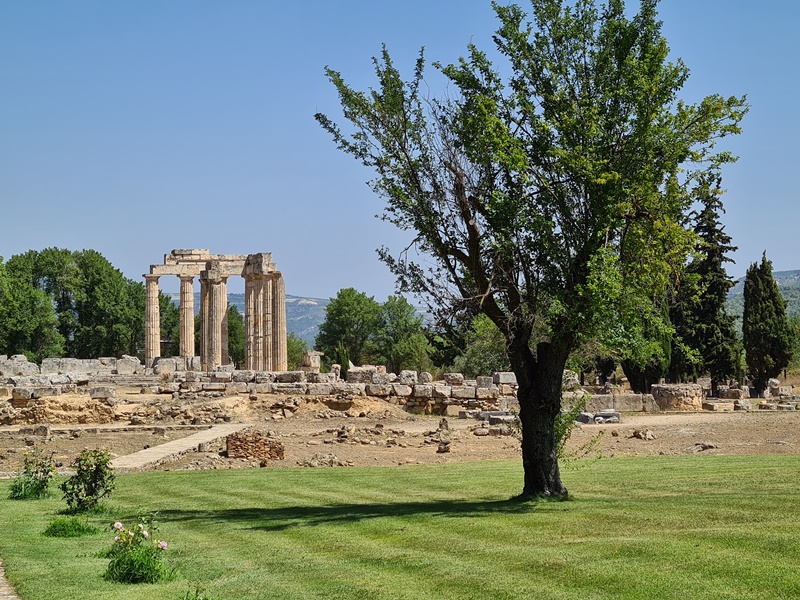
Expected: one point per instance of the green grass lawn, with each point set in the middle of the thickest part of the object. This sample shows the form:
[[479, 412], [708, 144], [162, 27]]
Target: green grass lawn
[[693, 527]]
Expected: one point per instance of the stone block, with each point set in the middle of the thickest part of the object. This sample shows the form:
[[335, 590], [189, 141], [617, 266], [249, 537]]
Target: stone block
[[381, 379], [505, 377], [165, 365], [244, 376], [733, 394], [363, 374], [402, 390], [452, 410], [223, 376], [379, 390], [290, 377], [454, 379], [628, 402], [678, 396], [194, 363], [463, 392], [59, 379], [43, 391], [319, 389], [313, 377], [214, 386], [169, 387], [425, 377], [441, 391], [102, 391], [236, 387], [289, 388], [487, 393], [22, 393], [265, 377], [262, 388], [423, 390], [484, 381], [507, 389], [649, 404], [742, 404], [191, 386], [5, 391], [128, 365], [718, 405], [408, 377]]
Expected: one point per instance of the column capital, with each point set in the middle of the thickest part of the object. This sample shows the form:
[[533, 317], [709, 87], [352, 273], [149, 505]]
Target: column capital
[[189, 278], [151, 277]]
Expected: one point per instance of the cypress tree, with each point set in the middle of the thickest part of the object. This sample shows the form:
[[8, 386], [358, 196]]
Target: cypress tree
[[714, 333], [765, 327]]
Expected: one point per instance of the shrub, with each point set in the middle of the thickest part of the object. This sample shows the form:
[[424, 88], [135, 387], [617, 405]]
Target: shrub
[[93, 480], [34, 478], [137, 556], [69, 527]]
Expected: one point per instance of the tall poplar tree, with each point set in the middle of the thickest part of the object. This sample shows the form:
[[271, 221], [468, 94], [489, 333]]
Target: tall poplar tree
[[548, 194], [765, 327]]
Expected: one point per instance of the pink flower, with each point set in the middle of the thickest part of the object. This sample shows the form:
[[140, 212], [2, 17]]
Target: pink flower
[[162, 544], [116, 538], [118, 526], [145, 535]]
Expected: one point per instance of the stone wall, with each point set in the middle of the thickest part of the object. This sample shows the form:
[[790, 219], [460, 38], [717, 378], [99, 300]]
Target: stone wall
[[253, 444], [678, 396]]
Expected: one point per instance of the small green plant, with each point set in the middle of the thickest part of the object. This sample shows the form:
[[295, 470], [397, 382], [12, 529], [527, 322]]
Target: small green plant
[[34, 478], [93, 480], [70, 527], [137, 556]]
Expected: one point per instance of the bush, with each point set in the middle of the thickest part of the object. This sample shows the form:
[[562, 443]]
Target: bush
[[137, 556], [93, 480], [69, 527], [34, 478]]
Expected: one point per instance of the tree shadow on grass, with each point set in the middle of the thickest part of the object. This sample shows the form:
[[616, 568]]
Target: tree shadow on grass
[[282, 518]]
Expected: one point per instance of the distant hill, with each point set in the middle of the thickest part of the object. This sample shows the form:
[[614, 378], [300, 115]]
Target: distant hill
[[303, 315], [788, 284]]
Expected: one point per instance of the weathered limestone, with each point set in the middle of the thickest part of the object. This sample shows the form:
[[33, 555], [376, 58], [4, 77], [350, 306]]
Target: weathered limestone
[[678, 396], [265, 311], [152, 321]]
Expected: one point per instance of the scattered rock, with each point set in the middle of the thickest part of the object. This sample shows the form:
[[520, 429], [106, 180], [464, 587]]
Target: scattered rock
[[643, 434]]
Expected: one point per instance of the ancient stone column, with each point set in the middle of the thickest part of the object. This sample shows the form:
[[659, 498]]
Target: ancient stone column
[[279, 356], [254, 323], [152, 321], [223, 306], [205, 320], [187, 315], [266, 316]]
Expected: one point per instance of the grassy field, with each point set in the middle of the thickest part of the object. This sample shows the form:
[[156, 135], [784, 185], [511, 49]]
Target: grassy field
[[694, 527]]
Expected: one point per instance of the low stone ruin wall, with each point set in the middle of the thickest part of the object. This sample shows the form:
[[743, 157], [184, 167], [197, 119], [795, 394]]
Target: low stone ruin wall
[[253, 445], [678, 396]]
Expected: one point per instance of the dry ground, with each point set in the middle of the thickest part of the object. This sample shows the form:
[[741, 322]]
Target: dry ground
[[372, 432]]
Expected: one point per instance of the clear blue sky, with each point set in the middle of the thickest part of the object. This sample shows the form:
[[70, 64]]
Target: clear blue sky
[[133, 128]]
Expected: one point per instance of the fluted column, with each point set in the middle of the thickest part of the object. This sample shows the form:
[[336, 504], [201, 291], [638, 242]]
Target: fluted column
[[152, 321], [187, 316], [205, 321], [223, 306], [279, 356], [266, 316], [254, 323]]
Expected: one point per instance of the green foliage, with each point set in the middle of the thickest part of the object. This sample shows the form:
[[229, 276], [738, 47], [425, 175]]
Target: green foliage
[[34, 479], [528, 185], [765, 328], [137, 556], [351, 321], [399, 338], [484, 350], [236, 340], [342, 357], [93, 480], [705, 338], [69, 527], [295, 348], [197, 594], [56, 301]]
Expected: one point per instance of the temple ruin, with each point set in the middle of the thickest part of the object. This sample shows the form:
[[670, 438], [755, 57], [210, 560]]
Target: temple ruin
[[265, 309]]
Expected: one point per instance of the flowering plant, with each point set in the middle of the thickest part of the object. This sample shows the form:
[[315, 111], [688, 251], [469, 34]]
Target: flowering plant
[[137, 555]]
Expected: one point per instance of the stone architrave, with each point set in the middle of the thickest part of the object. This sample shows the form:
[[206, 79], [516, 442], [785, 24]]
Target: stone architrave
[[152, 321]]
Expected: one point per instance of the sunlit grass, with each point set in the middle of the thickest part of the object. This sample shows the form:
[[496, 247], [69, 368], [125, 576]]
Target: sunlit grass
[[690, 527]]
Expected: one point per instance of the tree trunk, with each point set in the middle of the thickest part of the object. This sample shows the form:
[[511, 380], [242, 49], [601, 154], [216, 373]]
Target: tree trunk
[[539, 397]]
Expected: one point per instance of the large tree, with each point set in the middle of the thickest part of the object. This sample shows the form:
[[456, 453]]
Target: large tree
[[765, 327], [547, 194], [351, 322], [400, 337], [703, 323]]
